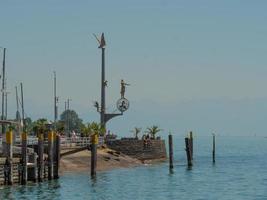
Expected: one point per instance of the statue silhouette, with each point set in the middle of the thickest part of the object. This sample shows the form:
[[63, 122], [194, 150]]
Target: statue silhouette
[[123, 84]]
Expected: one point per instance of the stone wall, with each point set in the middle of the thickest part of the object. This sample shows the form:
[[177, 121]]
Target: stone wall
[[154, 149]]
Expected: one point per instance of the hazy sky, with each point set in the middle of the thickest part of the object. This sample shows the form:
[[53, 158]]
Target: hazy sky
[[192, 65]]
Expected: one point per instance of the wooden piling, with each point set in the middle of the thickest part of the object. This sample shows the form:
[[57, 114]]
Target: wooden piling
[[50, 155], [35, 169], [7, 171], [213, 148], [24, 176], [170, 152], [191, 144], [9, 143], [20, 169], [40, 157], [94, 143], [57, 156], [188, 152]]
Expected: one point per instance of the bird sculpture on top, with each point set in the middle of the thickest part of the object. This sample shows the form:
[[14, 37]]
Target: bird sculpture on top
[[101, 41]]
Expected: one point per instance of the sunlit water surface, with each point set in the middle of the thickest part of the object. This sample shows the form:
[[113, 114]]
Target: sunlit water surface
[[240, 172]]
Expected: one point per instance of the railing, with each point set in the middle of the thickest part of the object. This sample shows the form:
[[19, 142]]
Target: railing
[[65, 141], [79, 141], [75, 142]]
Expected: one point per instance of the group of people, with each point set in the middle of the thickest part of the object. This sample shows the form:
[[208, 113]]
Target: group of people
[[110, 136], [146, 139]]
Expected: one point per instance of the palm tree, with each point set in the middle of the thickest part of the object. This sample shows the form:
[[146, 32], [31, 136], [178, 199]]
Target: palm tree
[[136, 131], [11, 127], [39, 126], [97, 128], [86, 130], [153, 131]]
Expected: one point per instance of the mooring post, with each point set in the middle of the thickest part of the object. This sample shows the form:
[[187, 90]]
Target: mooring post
[[170, 151], [24, 154], [191, 144], [40, 156], [57, 156], [54, 153], [6, 171], [50, 154], [213, 148], [34, 178], [9, 143], [188, 152], [20, 166], [45, 172], [94, 142]]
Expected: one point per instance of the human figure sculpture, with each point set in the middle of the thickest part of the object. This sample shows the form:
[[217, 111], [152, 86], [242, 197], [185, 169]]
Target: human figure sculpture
[[123, 84]]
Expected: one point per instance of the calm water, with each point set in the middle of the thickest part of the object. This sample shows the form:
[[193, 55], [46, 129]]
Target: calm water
[[240, 172]]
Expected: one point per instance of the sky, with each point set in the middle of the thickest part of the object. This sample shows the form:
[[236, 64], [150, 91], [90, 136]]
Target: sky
[[192, 65]]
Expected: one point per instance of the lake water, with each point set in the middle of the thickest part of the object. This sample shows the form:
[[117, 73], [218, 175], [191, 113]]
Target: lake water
[[240, 172]]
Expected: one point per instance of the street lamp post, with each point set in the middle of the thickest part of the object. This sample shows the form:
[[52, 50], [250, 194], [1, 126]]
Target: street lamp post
[[68, 117], [103, 89], [3, 89], [55, 100]]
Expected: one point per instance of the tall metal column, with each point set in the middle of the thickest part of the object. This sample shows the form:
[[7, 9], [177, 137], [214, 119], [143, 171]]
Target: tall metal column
[[24, 143], [17, 102], [6, 104], [68, 117], [55, 100], [3, 90], [18, 119], [103, 92], [104, 117]]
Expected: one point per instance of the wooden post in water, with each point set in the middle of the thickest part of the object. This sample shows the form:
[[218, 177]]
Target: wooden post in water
[[57, 156], [191, 143], [40, 156], [50, 155], [54, 153], [170, 151], [34, 178], [9, 145], [24, 155], [94, 142], [213, 148], [188, 152]]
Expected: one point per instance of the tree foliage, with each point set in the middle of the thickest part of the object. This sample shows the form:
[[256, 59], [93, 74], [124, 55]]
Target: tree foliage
[[93, 128], [72, 120], [60, 126], [153, 130], [39, 126]]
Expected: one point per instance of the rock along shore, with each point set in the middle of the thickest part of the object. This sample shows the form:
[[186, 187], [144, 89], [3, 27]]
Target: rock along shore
[[107, 159]]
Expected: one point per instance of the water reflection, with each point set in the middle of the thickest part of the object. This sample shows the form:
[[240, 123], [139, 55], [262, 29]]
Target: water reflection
[[45, 190], [6, 193], [233, 177], [93, 180]]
